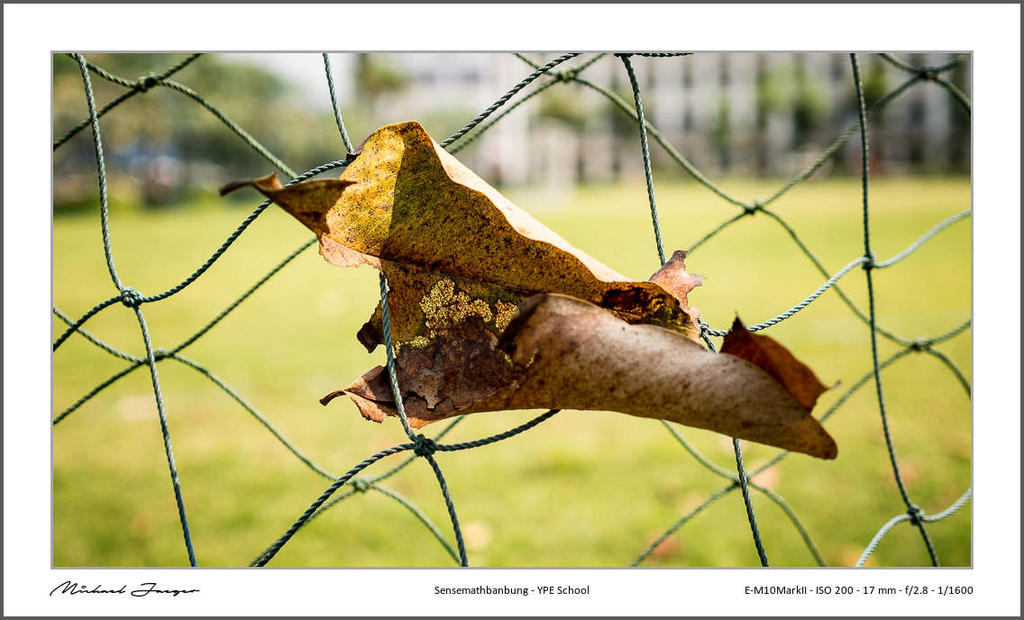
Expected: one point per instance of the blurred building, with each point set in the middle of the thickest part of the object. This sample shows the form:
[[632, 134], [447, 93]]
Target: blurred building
[[744, 114], [764, 114]]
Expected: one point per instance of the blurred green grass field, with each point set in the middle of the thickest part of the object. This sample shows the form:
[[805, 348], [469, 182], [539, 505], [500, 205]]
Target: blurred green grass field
[[583, 489]]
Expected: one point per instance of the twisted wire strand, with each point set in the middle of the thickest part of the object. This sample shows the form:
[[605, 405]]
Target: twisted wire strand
[[952, 509], [869, 264], [166, 436], [396, 392], [913, 247], [687, 165], [838, 143], [305, 516], [136, 88], [397, 468], [891, 523], [645, 155], [476, 443], [933, 74], [334, 104], [73, 326], [155, 80], [777, 499], [252, 289], [714, 232], [232, 125], [738, 481], [107, 75], [860, 260], [749, 505], [483, 128], [101, 173], [590, 61], [964, 383], [96, 390], [523, 58], [177, 288], [879, 536], [782, 454], [446, 448], [861, 382], [420, 515], [741, 474], [909, 68], [956, 331], [262, 419], [400, 408], [450, 504], [504, 98], [543, 87], [842, 295], [96, 341], [176, 349], [443, 448], [954, 90], [682, 521], [349, 492]]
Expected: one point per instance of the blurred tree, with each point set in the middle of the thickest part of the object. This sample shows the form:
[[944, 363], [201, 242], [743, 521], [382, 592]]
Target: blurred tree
[[721, 134], [161, 146], [377, 76], [808, 106], [876, 82], [770, 99]]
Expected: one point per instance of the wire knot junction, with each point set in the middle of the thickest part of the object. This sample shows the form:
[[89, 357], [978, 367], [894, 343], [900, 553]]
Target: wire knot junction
[[916, 514], [361, 485], [920, 345], [146, 82], [131, 298], [752, 208], [159, 354], [565, 76], [424, 446], [869, 262]]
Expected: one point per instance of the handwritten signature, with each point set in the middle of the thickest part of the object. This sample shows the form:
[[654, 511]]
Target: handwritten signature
[[145, 589]]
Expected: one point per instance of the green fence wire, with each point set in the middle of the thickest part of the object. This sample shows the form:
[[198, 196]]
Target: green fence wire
[[425, 447]]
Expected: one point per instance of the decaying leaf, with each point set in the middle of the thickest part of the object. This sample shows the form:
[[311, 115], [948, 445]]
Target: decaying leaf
[[777, 361], [491, 310]]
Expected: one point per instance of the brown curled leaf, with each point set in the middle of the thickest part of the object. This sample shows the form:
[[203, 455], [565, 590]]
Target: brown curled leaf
[[569, 354], [674, 278], [773, 358], [406, 204], [462, 262]]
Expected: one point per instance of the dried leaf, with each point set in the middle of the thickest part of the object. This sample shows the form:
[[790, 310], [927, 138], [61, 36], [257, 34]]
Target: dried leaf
[[467, 269], [773, 358], [674, 278], [570, 354]]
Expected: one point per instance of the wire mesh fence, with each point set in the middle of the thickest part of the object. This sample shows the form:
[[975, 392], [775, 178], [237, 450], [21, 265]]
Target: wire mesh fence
[[419, 446]]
